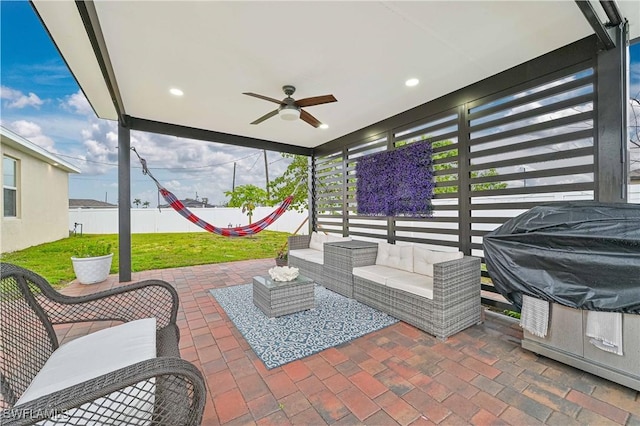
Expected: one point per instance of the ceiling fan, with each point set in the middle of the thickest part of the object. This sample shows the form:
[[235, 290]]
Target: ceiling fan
[[290, 109]]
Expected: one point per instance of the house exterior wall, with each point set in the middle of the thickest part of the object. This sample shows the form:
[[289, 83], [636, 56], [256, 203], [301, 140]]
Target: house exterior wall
[[43, 209]]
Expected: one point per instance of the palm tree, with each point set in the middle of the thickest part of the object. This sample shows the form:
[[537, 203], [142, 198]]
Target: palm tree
[[248, 208], [137, 202], [146, 204]]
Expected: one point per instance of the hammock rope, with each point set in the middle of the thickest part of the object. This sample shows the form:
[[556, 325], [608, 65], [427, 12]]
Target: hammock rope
[[240, 231]]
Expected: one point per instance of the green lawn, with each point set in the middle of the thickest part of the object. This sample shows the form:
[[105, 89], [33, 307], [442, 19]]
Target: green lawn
[[149, 251]]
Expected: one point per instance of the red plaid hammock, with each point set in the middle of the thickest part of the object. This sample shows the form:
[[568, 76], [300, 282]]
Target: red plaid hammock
[[240, 231]]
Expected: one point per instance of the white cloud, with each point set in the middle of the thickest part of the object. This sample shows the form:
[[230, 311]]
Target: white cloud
[[99, 147], [187, 167], [78, 104], [32, 132], [634, 79], [183, 166], [16, 99]]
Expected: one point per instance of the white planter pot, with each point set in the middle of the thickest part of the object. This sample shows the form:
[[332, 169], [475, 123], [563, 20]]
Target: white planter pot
[[91, 270]]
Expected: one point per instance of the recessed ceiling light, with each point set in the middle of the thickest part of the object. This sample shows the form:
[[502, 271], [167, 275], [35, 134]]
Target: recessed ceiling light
[[55, 164], [176, 92], [324, 126], [412, 82]]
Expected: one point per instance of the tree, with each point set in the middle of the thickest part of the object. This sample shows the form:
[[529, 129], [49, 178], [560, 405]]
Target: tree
[[248, 208], [137, 202], [294, 181], [452, 177], [246, 193], [146, 204]]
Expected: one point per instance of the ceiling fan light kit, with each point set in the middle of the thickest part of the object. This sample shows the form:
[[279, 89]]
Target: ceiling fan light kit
[[290, 109], [289, 113]]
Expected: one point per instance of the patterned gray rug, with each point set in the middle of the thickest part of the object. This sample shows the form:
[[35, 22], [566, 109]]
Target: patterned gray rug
[[277, 341]]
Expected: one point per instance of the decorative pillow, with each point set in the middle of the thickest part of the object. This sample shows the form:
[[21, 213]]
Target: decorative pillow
[[395, 256], [423, 259], [317, 241]]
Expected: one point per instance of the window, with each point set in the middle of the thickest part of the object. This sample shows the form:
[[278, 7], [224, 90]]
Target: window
[[10, 186]]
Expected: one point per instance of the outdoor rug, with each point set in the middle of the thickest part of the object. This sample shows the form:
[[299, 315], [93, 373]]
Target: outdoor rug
[[277, 341]]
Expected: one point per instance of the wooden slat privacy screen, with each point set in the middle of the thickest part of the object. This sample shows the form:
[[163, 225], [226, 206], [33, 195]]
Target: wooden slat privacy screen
[[494, 158]]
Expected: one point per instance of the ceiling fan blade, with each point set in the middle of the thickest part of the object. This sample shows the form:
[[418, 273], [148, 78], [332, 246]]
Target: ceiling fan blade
[[305, 116], [266, 116], [316, 100], [266, 98]]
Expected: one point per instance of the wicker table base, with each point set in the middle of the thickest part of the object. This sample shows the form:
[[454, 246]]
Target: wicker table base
[[276, 298]]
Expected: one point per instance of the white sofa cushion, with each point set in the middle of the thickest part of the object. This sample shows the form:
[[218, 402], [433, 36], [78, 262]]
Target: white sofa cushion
[[317, 241], [302, 253], [395, 256], [317, 257], [375, 273], [99, 353], [423, 259], [310, 255], [411, 282]]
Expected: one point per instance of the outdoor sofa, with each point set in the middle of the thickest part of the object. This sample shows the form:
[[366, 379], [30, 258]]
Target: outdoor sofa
[[306, 252], [129, 374], [437, 292]]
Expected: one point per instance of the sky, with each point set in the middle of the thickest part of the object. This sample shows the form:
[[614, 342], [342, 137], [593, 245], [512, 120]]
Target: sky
[[41, 101]]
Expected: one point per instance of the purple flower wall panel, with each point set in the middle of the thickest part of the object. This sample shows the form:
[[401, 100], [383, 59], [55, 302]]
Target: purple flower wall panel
[[396, 183]]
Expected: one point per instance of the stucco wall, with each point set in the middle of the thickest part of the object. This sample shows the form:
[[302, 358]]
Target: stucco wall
[[43, 204]]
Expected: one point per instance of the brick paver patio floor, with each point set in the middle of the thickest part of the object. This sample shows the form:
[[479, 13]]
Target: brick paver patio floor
[[398, 375]]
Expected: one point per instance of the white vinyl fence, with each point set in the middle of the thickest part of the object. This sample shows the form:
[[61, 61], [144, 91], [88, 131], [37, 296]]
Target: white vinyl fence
[[151, 220], [105, 221]]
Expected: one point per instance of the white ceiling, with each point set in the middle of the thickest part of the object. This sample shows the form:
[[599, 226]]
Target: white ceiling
[[361, 52]]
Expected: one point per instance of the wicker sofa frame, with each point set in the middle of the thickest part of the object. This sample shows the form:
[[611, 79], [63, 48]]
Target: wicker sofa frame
[[307, 269], [454, 307], [29, 309]]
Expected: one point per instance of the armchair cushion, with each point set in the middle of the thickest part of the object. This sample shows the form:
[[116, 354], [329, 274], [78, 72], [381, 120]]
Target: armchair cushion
[[99, 353]]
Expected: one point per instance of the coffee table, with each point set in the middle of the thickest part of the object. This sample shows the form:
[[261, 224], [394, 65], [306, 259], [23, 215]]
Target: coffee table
[[277, 298]]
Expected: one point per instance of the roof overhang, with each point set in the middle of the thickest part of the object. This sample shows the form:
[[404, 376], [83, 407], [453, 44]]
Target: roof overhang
[[127, 55], [21, 144]]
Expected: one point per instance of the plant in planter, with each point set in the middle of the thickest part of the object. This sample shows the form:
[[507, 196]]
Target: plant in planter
[[282, 258], [92, 261]]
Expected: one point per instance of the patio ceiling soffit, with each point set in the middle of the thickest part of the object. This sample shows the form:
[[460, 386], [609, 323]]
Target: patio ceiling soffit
[[111, 105]]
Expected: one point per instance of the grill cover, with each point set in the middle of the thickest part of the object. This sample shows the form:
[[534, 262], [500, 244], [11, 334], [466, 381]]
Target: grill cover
[[584, 255]]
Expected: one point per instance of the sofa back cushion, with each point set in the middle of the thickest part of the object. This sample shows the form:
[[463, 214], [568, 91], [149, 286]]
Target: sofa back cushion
[[317, 241], [395, 256], [423, 259]]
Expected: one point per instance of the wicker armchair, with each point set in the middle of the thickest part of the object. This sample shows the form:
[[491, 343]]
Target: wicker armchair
[[172, 389]]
